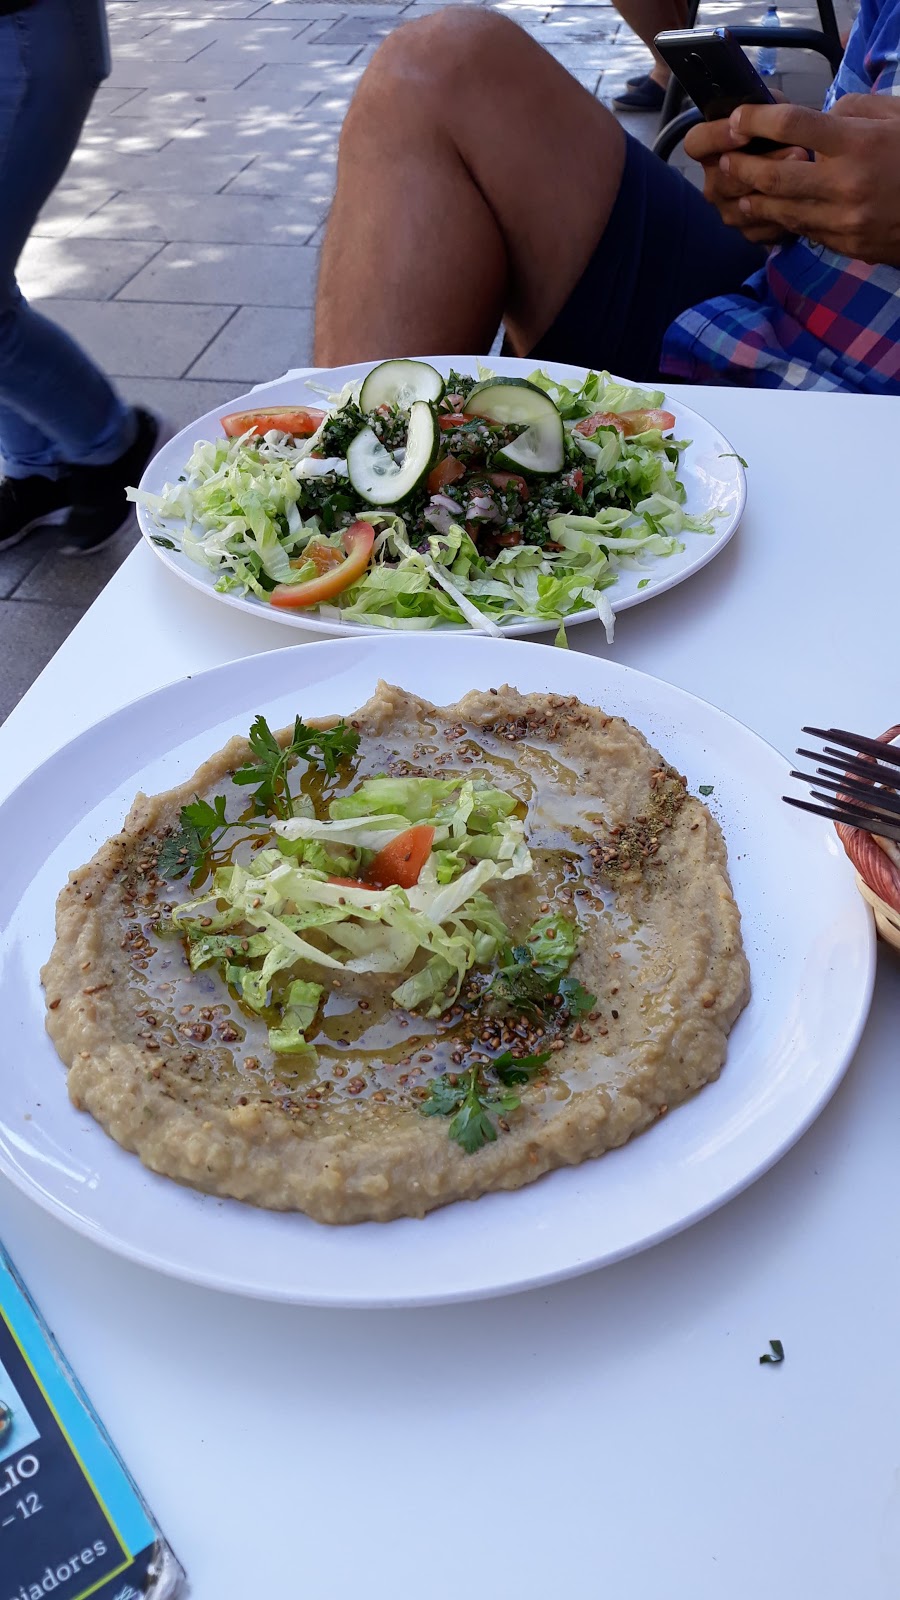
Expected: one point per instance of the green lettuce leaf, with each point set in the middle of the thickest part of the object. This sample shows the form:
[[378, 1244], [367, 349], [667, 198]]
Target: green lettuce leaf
[[298, 1016]]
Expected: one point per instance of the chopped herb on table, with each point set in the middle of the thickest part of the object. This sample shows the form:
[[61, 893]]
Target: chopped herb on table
[[706, 789], [774, 1355]]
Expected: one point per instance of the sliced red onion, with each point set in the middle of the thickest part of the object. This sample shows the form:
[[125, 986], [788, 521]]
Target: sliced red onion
[[439, 517], [444, 500], [482, 507]]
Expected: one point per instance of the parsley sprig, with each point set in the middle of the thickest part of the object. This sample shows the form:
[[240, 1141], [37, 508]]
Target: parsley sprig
[[202, 824], [271, 762], [201, 827], [522, 984], [471, 1098]]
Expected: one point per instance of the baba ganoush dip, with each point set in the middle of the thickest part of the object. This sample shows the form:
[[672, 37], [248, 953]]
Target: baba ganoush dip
[[364, 969]]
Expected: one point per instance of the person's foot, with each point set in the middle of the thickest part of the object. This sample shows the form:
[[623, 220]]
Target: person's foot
[[635, 83], [647, 96], [97, 494], [30, 503]]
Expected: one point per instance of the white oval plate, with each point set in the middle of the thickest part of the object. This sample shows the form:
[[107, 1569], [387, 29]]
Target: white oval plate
[[711, 472], [808, 935]]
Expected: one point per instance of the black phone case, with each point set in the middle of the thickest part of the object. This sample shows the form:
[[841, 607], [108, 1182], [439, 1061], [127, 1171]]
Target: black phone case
[[713, 69]]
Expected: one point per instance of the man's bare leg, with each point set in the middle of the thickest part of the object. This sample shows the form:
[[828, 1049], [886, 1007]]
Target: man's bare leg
[[647, 18], [475, 178]]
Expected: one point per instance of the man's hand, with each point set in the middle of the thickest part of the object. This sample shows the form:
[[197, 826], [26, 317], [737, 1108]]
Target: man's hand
[[848, 198], [706, 143]]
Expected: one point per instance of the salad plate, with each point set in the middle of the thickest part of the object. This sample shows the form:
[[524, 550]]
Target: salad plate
[[633, 513], [807, 935]]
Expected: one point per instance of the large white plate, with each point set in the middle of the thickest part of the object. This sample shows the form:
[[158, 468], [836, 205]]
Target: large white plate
[[712, 475], [808, 935]]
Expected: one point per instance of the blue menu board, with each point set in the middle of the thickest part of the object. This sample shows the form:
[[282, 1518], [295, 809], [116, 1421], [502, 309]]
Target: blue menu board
[[72, 1522]]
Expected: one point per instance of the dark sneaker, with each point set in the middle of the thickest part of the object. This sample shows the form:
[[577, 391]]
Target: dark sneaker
[[636, 83], [648, 96], [97, 494], [29, 503]]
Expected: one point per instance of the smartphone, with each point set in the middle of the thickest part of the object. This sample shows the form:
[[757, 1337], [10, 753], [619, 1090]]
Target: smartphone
[[713, 69]]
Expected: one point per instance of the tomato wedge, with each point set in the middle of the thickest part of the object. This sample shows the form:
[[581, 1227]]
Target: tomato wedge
[[446, 471], [350, 883], [401, 861], [358, 541], [502, 480], [297, 420], [627, 423], [452, 419], [323, 557], [640, 421]]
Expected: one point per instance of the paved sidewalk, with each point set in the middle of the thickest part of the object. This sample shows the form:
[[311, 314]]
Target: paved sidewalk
[[182, 246]]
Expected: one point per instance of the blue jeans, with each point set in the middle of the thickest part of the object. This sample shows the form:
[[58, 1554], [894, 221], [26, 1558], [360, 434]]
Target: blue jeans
[[56, 406]]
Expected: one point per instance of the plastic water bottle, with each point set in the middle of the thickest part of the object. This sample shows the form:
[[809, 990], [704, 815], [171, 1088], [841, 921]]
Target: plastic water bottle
[[767, 56]]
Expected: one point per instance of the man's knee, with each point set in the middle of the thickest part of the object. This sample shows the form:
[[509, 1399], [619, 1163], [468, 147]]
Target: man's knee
[[435, 55]]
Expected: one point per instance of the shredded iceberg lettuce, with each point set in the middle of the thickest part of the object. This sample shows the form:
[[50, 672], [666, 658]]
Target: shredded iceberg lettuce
[[304, 899]]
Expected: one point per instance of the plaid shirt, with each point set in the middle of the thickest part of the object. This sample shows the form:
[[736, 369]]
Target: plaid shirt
[[810, 319]]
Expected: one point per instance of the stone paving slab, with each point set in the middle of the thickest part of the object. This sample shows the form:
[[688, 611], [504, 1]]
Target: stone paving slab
[[81, 269], [68, 581], [307, 169], [206, 172], [145, 340], [257, 343], [227, 274], [181, 247], [72, 206], [143, 72], [177, 40], [30, 633], [110, 100], [206, 218], [179, 400], [330, 72], [292, 47], [123, 14], [16, 565], [245, 108]]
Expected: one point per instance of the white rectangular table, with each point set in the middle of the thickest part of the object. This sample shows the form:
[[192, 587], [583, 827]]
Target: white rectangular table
[[614, 1435]]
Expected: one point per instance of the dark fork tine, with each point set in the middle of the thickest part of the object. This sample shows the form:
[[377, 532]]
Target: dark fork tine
[[864, 815], [885, 830], [860, 769], [859, 742], [876, 769], [884, 800]]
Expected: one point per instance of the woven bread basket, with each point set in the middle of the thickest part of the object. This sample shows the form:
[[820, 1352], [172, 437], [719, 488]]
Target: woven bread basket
[[877, 863]]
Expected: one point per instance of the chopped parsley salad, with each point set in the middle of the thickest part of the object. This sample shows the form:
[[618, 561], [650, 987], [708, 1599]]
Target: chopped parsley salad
[[414, 502]]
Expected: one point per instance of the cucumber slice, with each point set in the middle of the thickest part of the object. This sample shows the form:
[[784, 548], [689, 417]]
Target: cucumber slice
[[541, 448], [399, 383], [374, 473]]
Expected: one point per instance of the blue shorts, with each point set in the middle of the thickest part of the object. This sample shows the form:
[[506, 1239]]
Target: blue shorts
[[664, 248]]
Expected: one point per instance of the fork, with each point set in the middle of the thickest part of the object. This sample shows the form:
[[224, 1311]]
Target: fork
[[865, 775]]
